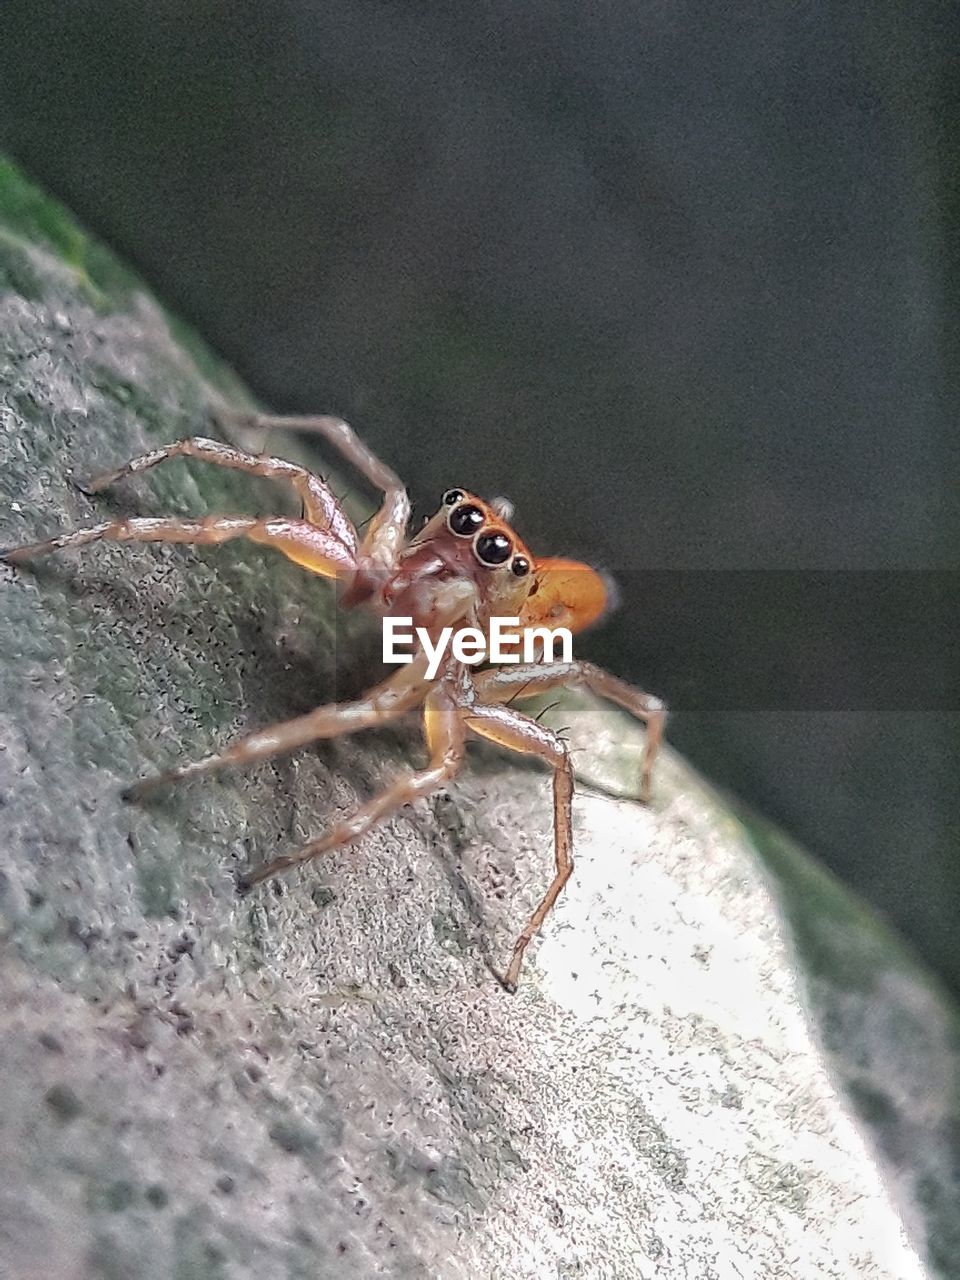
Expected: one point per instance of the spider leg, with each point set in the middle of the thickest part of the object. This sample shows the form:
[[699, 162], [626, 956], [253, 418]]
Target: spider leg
[[386, 531], [320, 505], [517, 732], [387, 701], [443, 729], [315, 549], [523, 681]]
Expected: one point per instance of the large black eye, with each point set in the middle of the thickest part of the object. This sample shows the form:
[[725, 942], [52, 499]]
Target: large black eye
[[452, 497], [520, 566], [465, 520], [493, 548]]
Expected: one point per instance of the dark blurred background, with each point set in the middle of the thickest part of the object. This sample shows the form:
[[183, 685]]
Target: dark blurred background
[[680, 280]]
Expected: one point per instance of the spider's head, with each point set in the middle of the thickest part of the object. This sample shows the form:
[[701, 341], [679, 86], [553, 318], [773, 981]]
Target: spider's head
[[476, 541]]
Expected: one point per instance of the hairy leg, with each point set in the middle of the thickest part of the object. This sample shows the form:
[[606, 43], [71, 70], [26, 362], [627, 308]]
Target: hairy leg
[[299, 540], [518, 732], [403, 691], [444, 732], [505, 683], [320, 505], [387, 530]]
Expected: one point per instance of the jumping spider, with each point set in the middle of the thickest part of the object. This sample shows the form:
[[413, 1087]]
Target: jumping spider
[[464, 567]]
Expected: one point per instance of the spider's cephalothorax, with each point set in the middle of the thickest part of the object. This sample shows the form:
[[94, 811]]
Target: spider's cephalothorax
[[464, 567], [466, 560]]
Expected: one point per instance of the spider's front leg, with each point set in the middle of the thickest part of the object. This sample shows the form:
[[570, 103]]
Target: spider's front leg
[[525, 681], [389, 700], [449, 710], [517, 732]]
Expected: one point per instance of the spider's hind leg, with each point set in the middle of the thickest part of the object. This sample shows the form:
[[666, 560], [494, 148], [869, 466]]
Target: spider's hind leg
[[315, 549], [387, 529], [321, 507]]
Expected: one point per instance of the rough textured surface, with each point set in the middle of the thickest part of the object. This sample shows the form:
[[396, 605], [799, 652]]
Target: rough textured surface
[[324, 1080]]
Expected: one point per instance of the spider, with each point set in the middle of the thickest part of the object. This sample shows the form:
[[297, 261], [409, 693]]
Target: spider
[[465, 566]]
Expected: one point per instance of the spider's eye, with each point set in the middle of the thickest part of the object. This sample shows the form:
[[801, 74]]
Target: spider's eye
[[466, 520], [452, 497], [493, 548], [520, 566]]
